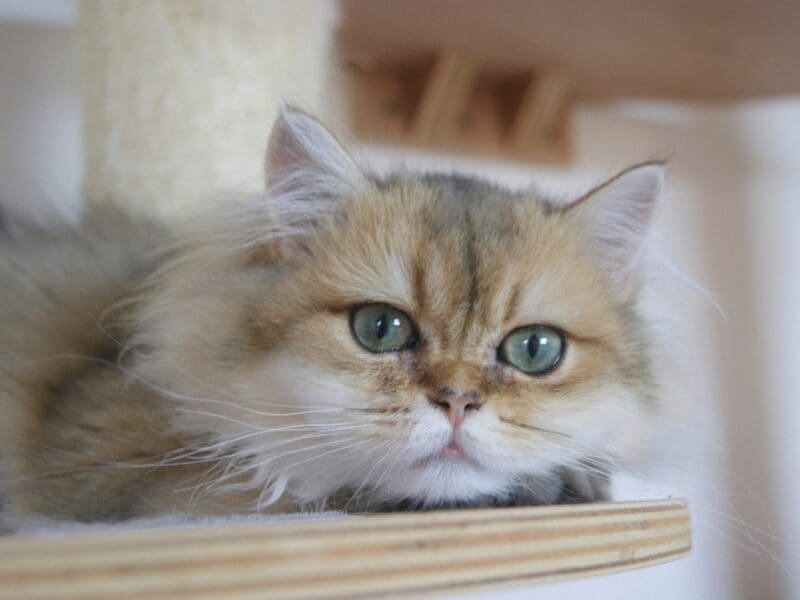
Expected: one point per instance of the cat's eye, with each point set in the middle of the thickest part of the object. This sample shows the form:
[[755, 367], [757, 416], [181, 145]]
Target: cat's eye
[[382, 328], [535, 349]]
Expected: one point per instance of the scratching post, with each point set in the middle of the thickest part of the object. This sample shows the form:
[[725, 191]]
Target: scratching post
[[179, 96]]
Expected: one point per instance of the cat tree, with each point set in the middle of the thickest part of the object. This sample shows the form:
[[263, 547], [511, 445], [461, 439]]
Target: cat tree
[[400, 554], [178, 100]]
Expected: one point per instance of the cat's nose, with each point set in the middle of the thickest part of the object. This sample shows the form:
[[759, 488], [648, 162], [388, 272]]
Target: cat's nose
[[456, 405]]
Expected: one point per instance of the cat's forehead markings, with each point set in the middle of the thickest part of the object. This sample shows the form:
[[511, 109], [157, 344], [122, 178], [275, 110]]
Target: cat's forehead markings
[[512, 302], [386, 281], [470, 261], [539, 301], [455, 281], [461, 279]]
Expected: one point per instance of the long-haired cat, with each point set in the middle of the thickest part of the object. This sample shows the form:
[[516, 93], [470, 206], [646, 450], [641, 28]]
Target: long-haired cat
[[343, 341]]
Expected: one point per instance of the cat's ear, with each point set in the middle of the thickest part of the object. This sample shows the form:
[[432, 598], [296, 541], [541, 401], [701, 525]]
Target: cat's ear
[[617, 216], [308, 173], [303, 157]]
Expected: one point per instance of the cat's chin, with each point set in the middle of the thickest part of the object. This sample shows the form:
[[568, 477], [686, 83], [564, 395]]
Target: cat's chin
[[563, 485], [449, 478]]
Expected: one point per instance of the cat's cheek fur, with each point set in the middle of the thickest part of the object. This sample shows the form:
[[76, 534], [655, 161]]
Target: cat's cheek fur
[[612, 422]]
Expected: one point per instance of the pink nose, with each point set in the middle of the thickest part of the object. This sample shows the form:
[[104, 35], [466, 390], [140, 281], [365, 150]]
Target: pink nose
[[455, 404]]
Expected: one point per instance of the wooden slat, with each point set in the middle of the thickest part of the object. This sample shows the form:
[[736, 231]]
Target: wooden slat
[[538, 129], [405, 554], [453, 104], [444, 98]]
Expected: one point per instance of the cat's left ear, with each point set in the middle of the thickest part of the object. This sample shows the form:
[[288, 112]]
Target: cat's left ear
[[305, 161], [617, 216], [308, 175]]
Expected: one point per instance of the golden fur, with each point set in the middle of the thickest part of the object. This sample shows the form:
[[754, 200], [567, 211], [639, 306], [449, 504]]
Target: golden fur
[[212, 369]]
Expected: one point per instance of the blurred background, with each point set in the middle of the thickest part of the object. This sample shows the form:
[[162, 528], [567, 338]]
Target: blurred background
[[163, 106]]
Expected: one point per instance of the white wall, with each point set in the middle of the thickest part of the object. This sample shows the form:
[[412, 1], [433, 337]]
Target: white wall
[[771, 212], [731, 220], [40, 156]]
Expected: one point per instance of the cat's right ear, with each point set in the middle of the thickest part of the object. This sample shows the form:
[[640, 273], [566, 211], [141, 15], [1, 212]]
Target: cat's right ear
[[617, 215], [308, 174]]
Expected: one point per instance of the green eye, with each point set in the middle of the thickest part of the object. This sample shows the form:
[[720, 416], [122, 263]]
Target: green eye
[[382, 328], [535, 349]]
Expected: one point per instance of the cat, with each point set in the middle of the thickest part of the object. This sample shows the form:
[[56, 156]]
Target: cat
[[348, 341]]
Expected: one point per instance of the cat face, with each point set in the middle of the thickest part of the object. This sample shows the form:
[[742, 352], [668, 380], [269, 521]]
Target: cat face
[[428, 339]]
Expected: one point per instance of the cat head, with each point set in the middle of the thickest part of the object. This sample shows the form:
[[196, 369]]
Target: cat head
[[428, 338]]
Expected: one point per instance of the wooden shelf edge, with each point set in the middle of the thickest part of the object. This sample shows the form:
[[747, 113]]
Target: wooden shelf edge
[[399, 555]]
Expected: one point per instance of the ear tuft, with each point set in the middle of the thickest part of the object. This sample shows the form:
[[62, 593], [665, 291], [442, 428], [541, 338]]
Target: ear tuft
[[308, 175], [304, 157], [617, 215]]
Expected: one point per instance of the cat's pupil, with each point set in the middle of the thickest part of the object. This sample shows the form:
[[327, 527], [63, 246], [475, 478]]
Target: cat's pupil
[[533, 343], [381, 326]]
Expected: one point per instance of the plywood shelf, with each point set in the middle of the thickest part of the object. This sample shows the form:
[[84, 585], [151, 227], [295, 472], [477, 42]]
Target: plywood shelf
[[401, 554]]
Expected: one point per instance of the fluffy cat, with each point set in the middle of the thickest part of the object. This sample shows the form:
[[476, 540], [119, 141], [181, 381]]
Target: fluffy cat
[[344, 341]]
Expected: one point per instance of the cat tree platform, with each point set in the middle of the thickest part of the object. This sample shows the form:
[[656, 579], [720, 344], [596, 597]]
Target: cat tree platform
[[400, 554]]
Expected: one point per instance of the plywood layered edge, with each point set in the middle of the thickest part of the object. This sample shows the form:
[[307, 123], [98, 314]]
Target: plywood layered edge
[[397, 555]]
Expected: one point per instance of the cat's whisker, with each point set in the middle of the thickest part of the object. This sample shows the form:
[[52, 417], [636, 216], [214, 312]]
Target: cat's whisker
[[352, 445], [275, 459], [176, 458], [178, 396], [169, 393], [191, 411], [104, 330], [355, 493], [388, 454], [324, 454], [201, 482], [222, 444], [257, 466], [533, 427], [284, 442], [750, 543], [282, 474], [730, 518], [254, 451]]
